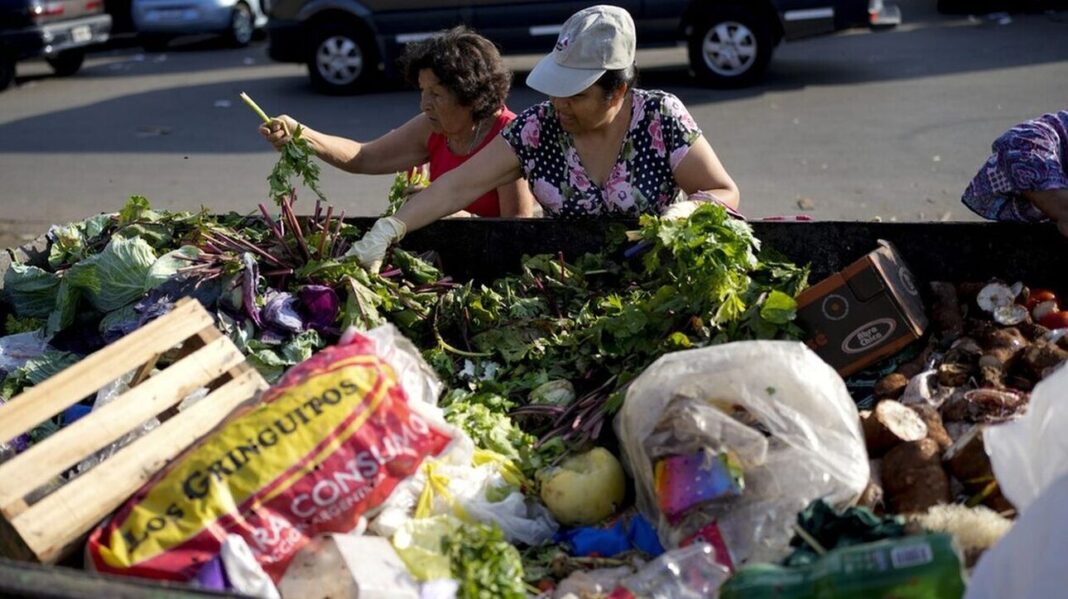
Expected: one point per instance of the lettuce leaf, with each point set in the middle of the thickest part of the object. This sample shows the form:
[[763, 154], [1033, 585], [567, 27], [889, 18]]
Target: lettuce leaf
[[30, 290], [116, 276]]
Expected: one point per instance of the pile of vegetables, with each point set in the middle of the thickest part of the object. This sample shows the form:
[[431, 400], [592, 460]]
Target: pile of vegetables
[[535, 362], [990, 344]]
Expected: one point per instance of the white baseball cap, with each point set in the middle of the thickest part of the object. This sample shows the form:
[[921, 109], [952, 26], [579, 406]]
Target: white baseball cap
[[592, 41]]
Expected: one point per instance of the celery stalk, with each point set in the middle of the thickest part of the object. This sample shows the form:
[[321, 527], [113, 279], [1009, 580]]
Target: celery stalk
[[255, 107]]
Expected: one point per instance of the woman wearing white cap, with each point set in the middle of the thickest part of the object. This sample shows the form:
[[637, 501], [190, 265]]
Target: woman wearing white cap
[[597, 147]]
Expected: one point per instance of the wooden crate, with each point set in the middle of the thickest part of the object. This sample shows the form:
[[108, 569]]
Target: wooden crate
[[47, 528]]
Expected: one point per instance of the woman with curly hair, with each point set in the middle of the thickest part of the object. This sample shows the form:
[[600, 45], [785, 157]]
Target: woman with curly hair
[[463, 85]]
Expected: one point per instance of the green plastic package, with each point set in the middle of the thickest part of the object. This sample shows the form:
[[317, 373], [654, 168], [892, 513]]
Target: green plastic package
[[917, 567]]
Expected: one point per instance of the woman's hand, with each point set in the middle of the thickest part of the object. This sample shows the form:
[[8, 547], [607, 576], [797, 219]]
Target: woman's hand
[[370, 250], [1054, 202], [279, 131]]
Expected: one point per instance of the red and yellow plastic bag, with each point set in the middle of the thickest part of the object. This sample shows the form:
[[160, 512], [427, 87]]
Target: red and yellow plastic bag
[[324, 447]]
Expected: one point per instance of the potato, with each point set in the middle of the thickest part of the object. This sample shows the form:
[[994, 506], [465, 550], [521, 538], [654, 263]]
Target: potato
[[936, 430], [913, 478], [891, 386], [585, 488], [889, 425]]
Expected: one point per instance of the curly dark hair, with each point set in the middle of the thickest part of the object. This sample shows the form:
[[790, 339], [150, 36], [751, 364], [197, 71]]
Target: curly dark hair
[[466, 63]]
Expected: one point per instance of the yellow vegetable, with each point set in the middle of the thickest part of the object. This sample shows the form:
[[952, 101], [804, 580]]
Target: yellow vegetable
[[585, 488]]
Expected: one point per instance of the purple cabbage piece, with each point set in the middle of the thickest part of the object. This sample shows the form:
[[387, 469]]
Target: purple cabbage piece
[[21, 443], [273, 337], [321, 306], [281, 312], [249, 281], [160, 300]]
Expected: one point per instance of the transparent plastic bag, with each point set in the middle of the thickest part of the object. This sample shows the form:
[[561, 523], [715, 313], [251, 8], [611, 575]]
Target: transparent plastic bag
[[16, 350], [1029, 453], [591, 583], [104, 396], [772, 410], [687, 573]]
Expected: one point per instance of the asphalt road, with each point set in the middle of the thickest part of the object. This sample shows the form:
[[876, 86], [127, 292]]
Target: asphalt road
[[859, 126]]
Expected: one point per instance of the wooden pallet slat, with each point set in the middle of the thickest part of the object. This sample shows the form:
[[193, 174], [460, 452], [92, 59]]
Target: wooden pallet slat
[[66, 388], [130, 468], [56, 524], [125, 413]]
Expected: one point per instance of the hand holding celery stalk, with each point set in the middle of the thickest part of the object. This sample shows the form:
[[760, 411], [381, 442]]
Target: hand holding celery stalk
[[296, 160]]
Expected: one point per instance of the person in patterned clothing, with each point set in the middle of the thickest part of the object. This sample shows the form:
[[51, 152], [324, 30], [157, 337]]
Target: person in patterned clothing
[[1026, 178], [597, 147]]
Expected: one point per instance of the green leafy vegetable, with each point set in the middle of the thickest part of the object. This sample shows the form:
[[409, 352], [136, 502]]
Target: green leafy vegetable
[[703, 280], [14, 324], [30, 290], [168, 265], [66, 307], [273, 360], [297, 159], [116, 276], [402, 182], [484, 563], [483, 417], [137, 208], [68, 245]]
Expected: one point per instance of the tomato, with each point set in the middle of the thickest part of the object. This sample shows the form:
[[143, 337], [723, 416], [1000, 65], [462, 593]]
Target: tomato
[[1055, 320], [1038, 296], [546, 585]]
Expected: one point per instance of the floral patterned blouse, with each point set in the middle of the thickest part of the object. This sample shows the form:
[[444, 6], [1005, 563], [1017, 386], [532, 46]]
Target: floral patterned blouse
[[641, 182], [1032, 156]]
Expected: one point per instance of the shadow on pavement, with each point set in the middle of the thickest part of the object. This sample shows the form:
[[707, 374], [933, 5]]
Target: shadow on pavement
[[201, 119]]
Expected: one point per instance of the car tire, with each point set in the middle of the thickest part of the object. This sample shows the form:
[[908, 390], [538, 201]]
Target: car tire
[[67, 63], [7, 69], [154, 42], [343, 59], [731, 46], [242, 26]]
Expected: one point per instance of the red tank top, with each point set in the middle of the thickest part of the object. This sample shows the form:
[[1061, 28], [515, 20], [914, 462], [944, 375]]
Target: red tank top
[[443, 160]]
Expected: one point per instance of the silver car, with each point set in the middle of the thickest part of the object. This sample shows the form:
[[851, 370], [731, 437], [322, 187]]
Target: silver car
[[158, 21]]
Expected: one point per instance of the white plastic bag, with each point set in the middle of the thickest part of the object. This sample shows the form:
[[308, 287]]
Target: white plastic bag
[[1028, 562], [243, 572], [1030, 460], [419, 380], [695, 400], [468, 487], [1030, 453]]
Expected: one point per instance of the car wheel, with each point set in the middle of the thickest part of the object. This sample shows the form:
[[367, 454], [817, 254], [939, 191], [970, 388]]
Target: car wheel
[[343, 60], [67, 63], [7, 69], [731, 46], [154, 42], [241, 26]]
